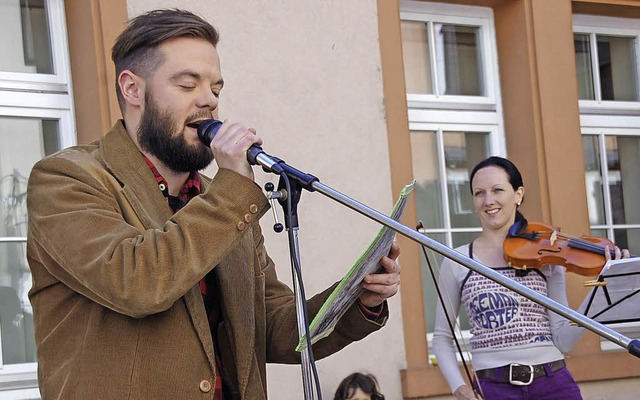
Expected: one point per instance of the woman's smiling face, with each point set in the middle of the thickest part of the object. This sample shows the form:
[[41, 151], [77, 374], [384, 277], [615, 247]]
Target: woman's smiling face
[[494, 199]]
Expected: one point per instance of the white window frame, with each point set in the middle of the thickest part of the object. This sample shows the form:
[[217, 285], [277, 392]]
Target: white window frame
[[446, 113], [496, 146], [42, 96], [480, 17], [601, 131], [610, 26], [60, 80], [610, 118]]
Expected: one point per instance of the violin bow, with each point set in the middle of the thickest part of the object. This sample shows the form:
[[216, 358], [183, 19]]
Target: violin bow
[[446, 313]]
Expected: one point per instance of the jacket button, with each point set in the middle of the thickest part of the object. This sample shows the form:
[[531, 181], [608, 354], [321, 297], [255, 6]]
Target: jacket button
[[205, 386], [253, 208], [248, 218], [240, 226]]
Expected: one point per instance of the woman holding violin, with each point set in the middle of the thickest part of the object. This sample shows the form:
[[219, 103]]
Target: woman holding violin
[[517, 345]]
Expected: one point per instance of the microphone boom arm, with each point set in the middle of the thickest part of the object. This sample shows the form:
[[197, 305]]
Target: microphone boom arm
[[632, 346], [256, 156]]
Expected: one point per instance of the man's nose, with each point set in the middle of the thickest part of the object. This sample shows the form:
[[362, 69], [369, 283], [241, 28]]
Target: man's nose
[[207, 99]]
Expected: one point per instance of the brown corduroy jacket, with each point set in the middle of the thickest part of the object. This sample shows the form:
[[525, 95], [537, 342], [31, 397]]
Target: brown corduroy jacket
[[117, 309]]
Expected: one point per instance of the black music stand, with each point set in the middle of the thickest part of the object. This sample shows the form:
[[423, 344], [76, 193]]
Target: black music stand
[[615, 297]]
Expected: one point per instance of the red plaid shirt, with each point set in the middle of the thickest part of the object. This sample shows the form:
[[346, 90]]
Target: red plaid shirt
[[190, 190]]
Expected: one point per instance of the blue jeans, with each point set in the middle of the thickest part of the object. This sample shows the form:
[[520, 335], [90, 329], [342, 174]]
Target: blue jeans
[[558, 385]]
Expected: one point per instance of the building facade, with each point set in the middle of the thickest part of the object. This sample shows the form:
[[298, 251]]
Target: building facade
[[366, 95]]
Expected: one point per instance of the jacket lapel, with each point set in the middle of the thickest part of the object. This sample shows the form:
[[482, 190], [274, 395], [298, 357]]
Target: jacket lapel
[[139, 186]]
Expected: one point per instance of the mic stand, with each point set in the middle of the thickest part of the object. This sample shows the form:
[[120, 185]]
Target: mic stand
[[312, 183], [288, 195]]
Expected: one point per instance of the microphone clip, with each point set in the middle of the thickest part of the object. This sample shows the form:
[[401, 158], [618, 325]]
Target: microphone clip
[[273, 195]]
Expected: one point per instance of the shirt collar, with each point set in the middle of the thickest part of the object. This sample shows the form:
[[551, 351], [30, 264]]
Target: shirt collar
[[189, 190]]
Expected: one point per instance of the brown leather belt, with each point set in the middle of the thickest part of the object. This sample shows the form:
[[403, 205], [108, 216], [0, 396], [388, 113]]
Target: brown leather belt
[[519, 374]]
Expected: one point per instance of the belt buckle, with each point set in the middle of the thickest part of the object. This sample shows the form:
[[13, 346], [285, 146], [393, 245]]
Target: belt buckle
[[516, 382]]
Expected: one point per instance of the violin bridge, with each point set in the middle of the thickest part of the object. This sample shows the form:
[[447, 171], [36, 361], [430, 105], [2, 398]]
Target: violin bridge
[[553, 237], [595, 283]]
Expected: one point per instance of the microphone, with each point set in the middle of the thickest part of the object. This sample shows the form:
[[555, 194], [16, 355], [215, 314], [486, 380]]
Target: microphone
[[255, 155]]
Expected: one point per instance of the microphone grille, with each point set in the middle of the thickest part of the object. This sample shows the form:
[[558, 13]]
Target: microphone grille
[[207, 130]]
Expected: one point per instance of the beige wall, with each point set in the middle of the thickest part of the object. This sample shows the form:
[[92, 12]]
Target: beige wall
[[307, 75], [323, 83]]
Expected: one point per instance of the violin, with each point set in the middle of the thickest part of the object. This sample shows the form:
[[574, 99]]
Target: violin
[[534, 245]]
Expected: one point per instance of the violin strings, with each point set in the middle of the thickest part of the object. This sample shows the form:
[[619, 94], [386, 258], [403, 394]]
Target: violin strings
[[579, 243]]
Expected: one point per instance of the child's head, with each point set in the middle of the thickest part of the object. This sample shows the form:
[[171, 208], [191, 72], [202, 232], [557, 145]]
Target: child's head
[[358, 386]]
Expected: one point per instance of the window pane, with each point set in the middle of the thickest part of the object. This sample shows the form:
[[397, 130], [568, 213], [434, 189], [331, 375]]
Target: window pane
[[618, 79], [417, 61], [430, 293], [427, 190], [462, 151], [23, 141], [16, 318], [460, 238], [593, 179], [584, 72], [628, 239], [458, 60], [24, 37], [623, 161]]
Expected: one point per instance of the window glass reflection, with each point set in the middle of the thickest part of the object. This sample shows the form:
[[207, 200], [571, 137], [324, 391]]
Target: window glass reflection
[[584, 71], [628, 239], [593, 179], [428, 189], [462, 151], [616, 58], [29, 141], [458, 60], [23, 141], [429, 290], [416, 56], [16, 317], [24, 37], [623, 164], [430, 293]]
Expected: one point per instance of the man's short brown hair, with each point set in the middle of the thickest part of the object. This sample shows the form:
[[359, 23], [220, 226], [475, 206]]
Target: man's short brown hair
[[136, 47]]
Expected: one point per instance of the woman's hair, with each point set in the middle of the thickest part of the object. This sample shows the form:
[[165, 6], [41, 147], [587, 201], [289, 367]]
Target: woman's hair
[[515, 178], [366, 382], [136, 47]]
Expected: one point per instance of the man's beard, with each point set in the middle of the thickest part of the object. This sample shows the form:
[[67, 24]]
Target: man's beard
[[156, 135]]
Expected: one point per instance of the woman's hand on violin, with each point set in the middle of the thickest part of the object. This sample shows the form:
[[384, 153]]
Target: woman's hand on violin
[[464, 392], [619, 253]]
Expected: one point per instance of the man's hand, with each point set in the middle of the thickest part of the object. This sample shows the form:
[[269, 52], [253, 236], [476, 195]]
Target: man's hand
[[379, 287], [230, 145]]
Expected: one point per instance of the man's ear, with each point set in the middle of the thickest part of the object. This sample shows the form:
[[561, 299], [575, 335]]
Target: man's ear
[[132, 88]]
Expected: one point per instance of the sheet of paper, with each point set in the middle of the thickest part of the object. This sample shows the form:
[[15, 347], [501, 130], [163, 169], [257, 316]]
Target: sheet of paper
[[349, 288], [618, 300]]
